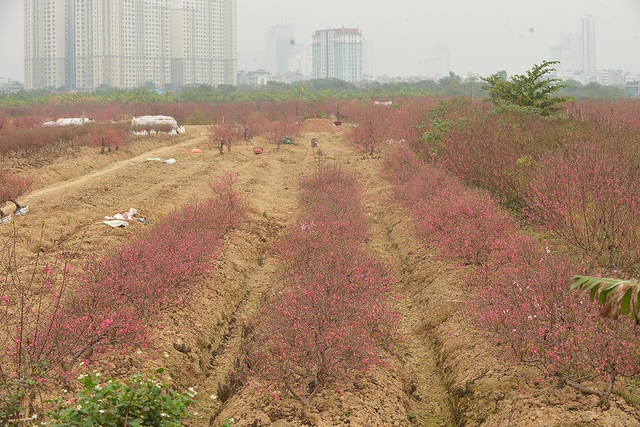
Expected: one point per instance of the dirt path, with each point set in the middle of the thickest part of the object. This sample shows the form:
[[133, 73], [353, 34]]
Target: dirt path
[[425, 381], [163, 152], [72, 204]]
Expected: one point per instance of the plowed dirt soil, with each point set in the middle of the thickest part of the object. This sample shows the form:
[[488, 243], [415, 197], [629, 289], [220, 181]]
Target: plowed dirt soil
[[442, 374]]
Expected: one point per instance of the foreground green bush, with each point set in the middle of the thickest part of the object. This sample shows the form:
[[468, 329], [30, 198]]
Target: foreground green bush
[[139, 401]]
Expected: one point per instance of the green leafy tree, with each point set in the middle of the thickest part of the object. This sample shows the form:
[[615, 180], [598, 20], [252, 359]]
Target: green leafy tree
[[452, 85], [616, 296], [591, 91], [533, 90]]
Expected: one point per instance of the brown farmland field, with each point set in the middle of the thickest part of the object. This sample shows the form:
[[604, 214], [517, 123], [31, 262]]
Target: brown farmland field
[[442, 372]]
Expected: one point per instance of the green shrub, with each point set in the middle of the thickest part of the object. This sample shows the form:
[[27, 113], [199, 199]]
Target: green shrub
[[137, 402], [529, 92], [319, 114], [198, 117]]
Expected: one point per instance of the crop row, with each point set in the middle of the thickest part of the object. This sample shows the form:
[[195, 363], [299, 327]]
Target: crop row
[[55, 316], [518, 285], [333, 315], [575, 176]]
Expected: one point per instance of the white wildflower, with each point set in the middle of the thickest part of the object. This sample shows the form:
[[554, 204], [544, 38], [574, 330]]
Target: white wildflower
[[191, 392]]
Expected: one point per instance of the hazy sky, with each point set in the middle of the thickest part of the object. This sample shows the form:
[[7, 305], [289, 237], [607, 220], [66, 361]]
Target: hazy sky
[[483, 36]]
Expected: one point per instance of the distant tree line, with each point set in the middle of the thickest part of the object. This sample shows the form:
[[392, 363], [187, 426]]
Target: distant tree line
[[307, 90]]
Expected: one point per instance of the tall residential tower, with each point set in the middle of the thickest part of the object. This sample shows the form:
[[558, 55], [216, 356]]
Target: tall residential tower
[[281, 49], [203, 41], [588, 46], [46, 43], [83, 44], [577, 51], [337, 54]]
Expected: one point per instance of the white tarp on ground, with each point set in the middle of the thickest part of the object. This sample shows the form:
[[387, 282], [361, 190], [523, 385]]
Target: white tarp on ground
[[158, 159], [129, 215], [69, 121], [121, 219], [150, 121]]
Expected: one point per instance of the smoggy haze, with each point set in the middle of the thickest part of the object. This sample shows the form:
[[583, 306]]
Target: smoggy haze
[[482, 36]]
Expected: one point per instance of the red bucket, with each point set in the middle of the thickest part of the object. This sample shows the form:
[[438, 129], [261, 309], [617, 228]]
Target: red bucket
[[257, 150]]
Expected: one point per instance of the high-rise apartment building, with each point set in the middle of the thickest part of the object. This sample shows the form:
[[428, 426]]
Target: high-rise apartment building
[[337, 54], [203, 42], [281, 49], [588, 46], [439, 63], [46, 43], [82, 44], [120, 43], [577, 51], [567, 53]]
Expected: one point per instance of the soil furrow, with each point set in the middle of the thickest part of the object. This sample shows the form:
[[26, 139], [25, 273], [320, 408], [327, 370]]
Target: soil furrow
[[425, 383]]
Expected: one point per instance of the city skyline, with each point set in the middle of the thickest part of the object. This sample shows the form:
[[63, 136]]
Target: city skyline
[[482, 37], [510, 35]]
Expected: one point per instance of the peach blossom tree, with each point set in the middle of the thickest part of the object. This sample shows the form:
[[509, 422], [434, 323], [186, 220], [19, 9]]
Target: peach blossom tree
[[12, 187]]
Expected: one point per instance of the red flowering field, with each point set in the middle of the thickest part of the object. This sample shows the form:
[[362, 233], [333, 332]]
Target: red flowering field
[[405, 271]]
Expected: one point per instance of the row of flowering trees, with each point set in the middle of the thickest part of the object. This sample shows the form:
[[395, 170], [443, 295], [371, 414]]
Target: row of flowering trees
[[518, 286], [372, 124], [369, 124], [39, 145], [277, 132], [574, 175], [54, 315], [334, 315]]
